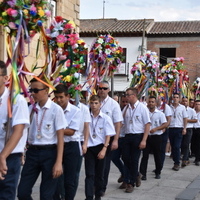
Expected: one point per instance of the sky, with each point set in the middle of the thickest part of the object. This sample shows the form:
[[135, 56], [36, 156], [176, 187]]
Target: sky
[[159, 10]]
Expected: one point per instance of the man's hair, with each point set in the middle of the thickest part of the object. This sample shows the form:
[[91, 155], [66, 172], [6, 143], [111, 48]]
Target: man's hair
[[152, 97], [33, 80], [61, 89], [134, 90], [105, 82], [184, 97], [197, 101], [95, 98], [191, 99], [176, 93], [3, 68]]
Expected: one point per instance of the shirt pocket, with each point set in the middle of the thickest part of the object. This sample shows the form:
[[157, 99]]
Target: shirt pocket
[[138, 118], [156, 123]]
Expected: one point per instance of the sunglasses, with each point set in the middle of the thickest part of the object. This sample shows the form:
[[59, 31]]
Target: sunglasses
[[103, 88], [36, 90]]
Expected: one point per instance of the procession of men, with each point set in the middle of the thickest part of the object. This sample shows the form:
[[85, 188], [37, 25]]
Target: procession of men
[[53, 136]]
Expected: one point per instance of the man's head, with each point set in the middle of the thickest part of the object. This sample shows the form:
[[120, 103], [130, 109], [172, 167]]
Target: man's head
[[191, 103], [152, 102], [95, 103], [61, 95], [3, 74], [176, 98], [123, 102], [116, 97], [185, 101], [131, 94], [39, 91], [197, 105], [103, 89]]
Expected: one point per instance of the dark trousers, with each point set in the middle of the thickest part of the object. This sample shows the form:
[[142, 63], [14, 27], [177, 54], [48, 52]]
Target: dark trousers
[[117, 160], [9, 184], [192, 147], [94, 170], [197, 144], [38, 160], [71, 163], [186, 144], [165, 137], [153, 144], [175, 137], [131, 154]]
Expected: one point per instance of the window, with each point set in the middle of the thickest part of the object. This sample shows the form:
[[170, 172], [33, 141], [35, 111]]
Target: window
[[166, 55]]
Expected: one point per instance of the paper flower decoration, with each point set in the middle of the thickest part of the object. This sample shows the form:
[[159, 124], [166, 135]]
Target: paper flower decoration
[[106, 51], [29, 14], [68, 52]]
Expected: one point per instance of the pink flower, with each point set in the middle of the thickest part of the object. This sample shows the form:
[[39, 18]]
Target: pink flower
[[61, 39], [8, 11], [48, 13], [12, 25], [73, 38], [14, 13], [33, 8]]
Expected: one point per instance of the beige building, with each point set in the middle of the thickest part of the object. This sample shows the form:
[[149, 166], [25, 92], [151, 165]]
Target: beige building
[[68, 9]]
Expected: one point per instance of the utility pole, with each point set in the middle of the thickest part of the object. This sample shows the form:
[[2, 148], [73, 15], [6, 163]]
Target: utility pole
[[143, 35], [104, 8]]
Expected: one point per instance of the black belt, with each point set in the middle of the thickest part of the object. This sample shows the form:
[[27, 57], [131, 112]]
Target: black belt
[[40, 147]]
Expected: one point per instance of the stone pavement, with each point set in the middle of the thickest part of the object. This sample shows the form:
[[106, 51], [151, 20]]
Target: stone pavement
[[181, 185]]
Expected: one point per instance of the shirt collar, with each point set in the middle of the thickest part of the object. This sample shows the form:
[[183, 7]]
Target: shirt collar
[[6, 92], [47, 105], [135, 104], [68, 108], [155, 111], [105, 100], [100, 114]]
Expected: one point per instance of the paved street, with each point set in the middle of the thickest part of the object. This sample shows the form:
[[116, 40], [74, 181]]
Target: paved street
[[168, 187]]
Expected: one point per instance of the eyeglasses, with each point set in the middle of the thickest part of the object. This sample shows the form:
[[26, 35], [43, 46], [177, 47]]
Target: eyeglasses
[[36, 90], [127, 95], [103, 88]]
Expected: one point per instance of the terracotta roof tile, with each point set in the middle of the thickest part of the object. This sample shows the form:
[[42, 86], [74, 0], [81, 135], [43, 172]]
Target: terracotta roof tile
[[113, 26], [175, 27]]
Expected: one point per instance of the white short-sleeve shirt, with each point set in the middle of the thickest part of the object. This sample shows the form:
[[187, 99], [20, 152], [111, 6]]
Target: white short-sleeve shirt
[[73, 117], [167, 110], [157, 119], [20, 115], [197, 124], [85, 117], [178, 114], [51, 119], [191, 115], [100, 127], [136, 119], [111, 108]]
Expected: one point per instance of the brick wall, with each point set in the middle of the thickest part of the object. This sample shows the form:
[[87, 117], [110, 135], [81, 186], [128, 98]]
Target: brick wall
[[187, 47]]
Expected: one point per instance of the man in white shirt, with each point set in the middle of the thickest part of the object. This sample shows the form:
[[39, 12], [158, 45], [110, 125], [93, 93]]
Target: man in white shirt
[[12, 149], [165, 108], [177, 129], [45, 140], [192, 118], [101, 129], [196, 133], [110, 107], [137, 126], [72, 154], [154, 140]]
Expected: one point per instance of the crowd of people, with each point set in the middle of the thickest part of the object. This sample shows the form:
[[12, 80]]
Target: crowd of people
[[58, 135]]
